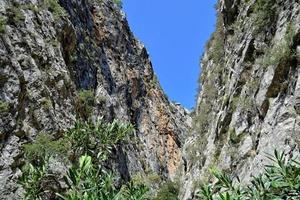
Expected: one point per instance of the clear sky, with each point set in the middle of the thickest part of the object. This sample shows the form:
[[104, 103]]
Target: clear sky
[[174, 33]]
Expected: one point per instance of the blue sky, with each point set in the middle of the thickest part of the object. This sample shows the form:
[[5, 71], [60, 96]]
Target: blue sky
[[174, 33]]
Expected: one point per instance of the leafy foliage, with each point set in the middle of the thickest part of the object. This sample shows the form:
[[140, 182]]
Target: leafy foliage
[[133, 191], [45, 147], [15, 14], [88, 182], [169, 191], [88, 179], [31, 180], [84, 103], [4, 106], [97, 139], [279, 181]]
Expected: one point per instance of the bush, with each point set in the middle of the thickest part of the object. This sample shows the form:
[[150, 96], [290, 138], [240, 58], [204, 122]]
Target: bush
[[3, 23], [46, 103], [274, 55], [45, 147], [15, 14], [234, 138], [4, 107], [169, 191], [265, 14], [54, 7], [89, 179], [97, 139], [89, 182], [37, 158], [31, 180], [85, 100], [281, 50], [119, 3], [279, 181]]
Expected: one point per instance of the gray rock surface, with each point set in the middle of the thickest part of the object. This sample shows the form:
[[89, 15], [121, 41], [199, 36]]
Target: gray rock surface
[[51, 51], [248, 105]]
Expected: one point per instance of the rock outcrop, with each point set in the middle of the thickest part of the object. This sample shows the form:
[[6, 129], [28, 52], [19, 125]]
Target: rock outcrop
[[52, 53], [248, 105]]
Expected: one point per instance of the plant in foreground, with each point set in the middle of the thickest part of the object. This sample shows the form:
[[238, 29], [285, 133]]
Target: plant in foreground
[[279, 181], [87, 178]]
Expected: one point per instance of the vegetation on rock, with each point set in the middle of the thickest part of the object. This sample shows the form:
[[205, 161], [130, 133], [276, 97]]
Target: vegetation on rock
[[282, 50], [168, 191], [84, 103], [87, 181], [279, 181], [119, 3], [265, 14], [3, 22], [90, 145], [4, 106]]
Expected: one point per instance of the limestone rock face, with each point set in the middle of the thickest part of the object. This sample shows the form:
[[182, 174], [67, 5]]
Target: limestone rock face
[[49, 52], [248, 105]]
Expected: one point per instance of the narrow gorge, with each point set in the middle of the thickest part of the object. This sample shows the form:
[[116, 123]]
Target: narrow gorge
[[72, 69]]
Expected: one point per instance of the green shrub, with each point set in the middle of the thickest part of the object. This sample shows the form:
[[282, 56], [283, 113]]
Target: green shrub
[[274, 55], [245, 102], [31, 180], [37, 158], [85, 100], [46, 103], [55, 8], [290, 34], [133, 191], [119, 3], [3, 23], [281, 50], [52, 5], [34, 7], [234, 138], [279, 181], [265, 14], [15, 14], [45, 147], [87, 180], [4, 107], [97, 139], [216, 45], [169, 191]]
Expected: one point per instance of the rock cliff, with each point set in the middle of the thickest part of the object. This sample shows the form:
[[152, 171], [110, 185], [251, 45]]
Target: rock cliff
[[68, 60], [248, 104], [77, 59]]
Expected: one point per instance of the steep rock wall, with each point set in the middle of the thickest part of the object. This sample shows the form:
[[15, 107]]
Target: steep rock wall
[[248, 105], [50, 51]]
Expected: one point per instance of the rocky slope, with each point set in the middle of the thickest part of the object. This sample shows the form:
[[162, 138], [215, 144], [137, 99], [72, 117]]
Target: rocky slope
[[75, 59], [250, 87]]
